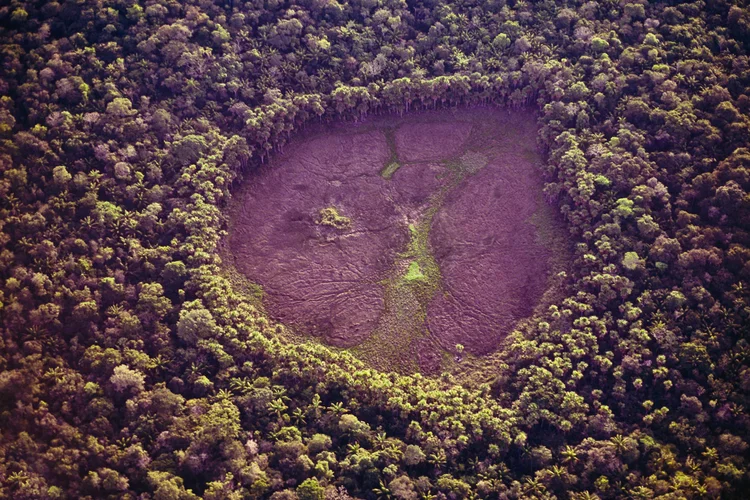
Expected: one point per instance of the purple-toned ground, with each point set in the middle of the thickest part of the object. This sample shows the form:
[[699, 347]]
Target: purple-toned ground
[[468, 177], [494, 271], [317, 277]]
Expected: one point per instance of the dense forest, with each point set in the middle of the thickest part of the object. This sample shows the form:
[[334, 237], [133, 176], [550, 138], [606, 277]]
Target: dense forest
[[132, 367]]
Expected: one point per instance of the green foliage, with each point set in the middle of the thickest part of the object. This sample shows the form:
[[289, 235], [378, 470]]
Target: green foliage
[[599, 44], [414, 272], [501, 41], [188, 149], [61, 175], [130, 367], [390, 169], [392, 164], [120, 107], [310, 489], [124, 379], [195, 323], [632, 261], [330, 216]]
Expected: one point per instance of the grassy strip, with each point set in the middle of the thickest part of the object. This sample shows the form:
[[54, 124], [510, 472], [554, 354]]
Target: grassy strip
[[391, 164], [412, 284]]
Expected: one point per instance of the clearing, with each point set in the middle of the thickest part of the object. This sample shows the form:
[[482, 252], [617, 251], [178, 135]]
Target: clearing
[[401, 237]]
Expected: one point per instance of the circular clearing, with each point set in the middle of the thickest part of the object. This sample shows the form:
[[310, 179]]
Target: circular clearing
[[401, 238]]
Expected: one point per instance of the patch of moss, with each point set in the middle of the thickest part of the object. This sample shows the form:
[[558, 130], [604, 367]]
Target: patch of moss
[[472, 162], [392, 164], [252, 291], [389, 170], [330, 216], [465, 165], [414, 273]]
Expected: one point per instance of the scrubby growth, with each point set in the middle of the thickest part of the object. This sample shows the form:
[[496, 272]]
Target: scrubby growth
[[130, 369], [392, 164], [330, 216]]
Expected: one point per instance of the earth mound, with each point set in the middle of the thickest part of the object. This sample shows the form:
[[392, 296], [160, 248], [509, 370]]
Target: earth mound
[[400, 237]]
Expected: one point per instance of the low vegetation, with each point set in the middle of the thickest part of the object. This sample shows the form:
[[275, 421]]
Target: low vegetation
[[375, 283], [330, 216]]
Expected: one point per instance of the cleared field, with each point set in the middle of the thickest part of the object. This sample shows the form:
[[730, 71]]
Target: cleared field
[[400, 237]]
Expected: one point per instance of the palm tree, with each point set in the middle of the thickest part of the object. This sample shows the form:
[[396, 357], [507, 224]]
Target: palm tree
[[534, 486], [382, 491], [315, 405], [20, 479], [438, 459], [159, 362], [115, 310], [338, 409], [224, 395], [584, 495], [379, 440], [242, 385], [569, 455], [299, 416], [277, 407], [619, 443]]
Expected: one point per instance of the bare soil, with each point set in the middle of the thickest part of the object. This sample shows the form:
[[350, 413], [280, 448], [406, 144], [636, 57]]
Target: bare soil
[[494, 269], [321, 279], [436, 252]]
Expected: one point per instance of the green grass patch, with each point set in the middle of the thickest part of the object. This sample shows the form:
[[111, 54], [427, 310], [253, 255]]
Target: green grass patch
[[391, 164], [389, 170], [414, 273], [330, 216], [467, 164], [472, 162], [408, 291]]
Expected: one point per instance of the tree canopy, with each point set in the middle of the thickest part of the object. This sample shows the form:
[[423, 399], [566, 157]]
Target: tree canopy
[[132, 366]]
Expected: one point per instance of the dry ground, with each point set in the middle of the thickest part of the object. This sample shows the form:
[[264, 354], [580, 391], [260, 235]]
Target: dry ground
[[434, 245]]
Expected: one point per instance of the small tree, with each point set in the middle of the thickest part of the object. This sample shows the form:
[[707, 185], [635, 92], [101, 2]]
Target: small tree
[[124, 379], [195, 323], [310, 489], [459, 351]]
